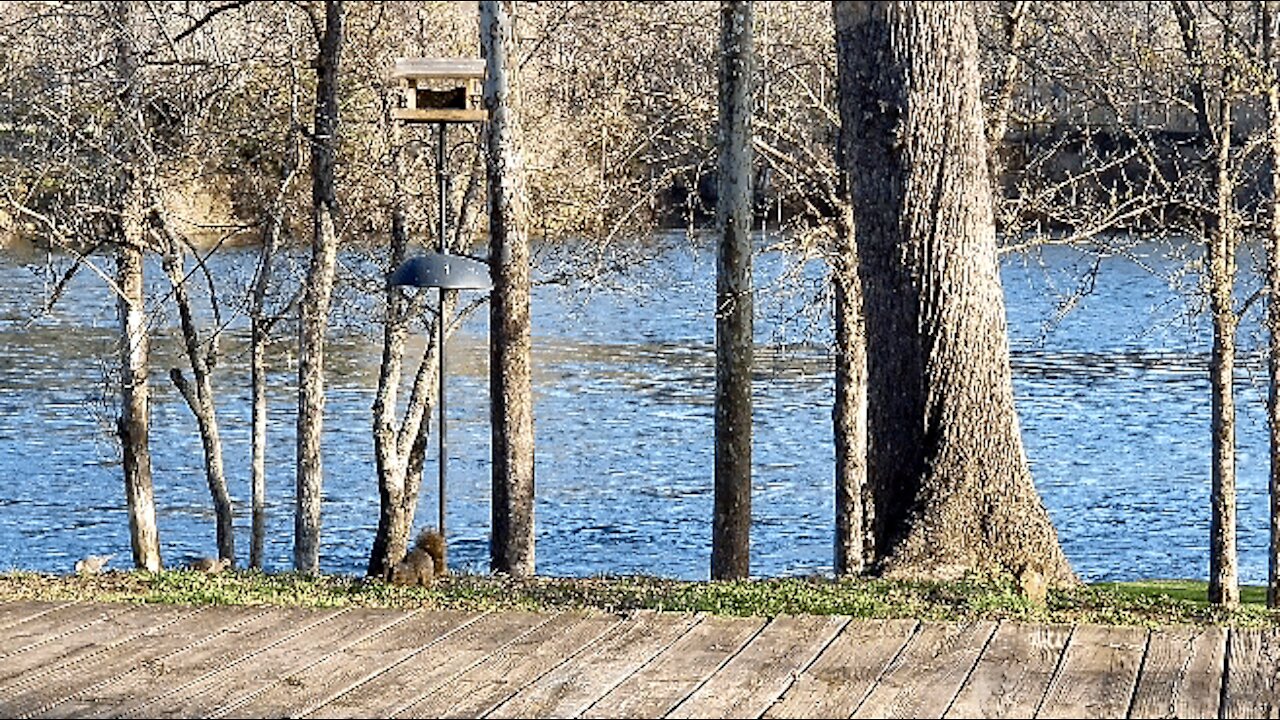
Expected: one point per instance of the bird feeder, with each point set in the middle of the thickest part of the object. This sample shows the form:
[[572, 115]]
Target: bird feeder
[[440, 90]]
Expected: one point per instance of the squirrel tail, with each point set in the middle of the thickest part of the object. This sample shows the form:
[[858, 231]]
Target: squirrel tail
[[432, 543]]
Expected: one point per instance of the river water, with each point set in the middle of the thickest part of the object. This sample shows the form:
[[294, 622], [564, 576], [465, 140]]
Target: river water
[[1111, 387]]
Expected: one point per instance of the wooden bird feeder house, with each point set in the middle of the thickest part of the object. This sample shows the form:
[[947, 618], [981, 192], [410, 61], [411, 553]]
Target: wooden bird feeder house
[[440, 90]]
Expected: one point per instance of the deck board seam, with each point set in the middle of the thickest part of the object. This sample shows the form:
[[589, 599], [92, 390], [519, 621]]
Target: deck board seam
[[1226, 673], [28, 618], [728, 659], [308, 710], [1137, 677], [563, 661], [641, 667], [795, 674], [887, 667], [462, 671], [1057, 670], [986, 644]]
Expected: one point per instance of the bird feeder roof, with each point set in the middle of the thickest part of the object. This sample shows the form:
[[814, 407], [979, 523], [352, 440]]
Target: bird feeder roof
[[438, 68]]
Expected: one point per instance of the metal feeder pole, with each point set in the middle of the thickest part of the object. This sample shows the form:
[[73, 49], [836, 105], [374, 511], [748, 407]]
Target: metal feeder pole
[[442, 181]]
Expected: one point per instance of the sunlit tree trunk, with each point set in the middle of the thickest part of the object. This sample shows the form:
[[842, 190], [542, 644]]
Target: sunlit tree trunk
[[134, 423], [853, 543], [317, 295], [950, 479], [1269, 17], [510, 343], [1220, 268]]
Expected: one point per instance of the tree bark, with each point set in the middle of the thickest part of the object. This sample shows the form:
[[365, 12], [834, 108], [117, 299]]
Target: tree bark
[[317, 295], [510, 382], [951, 484], [731, 525], [199, 399], [1220, 266], [134, 424], [1269, 17], [854, 545]]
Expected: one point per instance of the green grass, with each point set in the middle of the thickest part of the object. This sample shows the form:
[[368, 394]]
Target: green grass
[[1138, 603]]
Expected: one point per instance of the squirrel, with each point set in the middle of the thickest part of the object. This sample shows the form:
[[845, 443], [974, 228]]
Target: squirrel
[[93, 564], [424, 562], [211, 566]]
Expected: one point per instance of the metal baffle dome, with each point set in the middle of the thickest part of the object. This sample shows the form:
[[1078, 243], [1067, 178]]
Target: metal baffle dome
[[437, 270]]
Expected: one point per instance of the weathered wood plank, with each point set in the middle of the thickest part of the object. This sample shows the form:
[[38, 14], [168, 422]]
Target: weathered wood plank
[[490, 683], [351, 667], [421, 673], [758, 675], [835, 684], [110, 626], [153, 680], [1181, 676], [924, 679], [1098, 673], [1013, 674], [52, 626], [40, 692], [672, 676], [1253, 662], [571, 688], [16, 612], [226, 689]]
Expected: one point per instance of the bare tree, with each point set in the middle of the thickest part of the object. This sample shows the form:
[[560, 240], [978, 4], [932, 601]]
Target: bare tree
[[510, 381], [318, 290], [950, 479], [731, 526]]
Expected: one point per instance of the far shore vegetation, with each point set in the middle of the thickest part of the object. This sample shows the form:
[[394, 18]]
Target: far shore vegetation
[[1144, 603]]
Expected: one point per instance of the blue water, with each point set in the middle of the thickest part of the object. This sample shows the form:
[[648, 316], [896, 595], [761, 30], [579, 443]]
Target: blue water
[[1112, 392]]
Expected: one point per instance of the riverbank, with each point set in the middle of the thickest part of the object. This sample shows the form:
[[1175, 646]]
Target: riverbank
[[1148, 603]]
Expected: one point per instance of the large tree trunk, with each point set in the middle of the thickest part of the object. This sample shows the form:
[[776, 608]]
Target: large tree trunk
[[316, 297], [951, 483], [510, 381], [134, 424], [199, 398], [1269, 17], [731, 526]]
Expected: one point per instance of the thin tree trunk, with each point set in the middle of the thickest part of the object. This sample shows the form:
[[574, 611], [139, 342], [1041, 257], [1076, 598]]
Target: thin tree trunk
[[1221, 271], [854, 545], [1224, 587], [952, 485], [510, 382], [1269, 17], [317, 296], [731, 526], [134, 423], [998, 123], [199, 399]]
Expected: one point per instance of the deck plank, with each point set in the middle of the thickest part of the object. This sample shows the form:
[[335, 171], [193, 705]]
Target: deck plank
[[214, 639], [1098, 673], [16, 612], [1013, 674], [758, 675], [672, 676], [105, 627], [156, 680], [835, 684], [1253, 661], [571, 688], [488, 684], [41, 692], [351, 667], [421, 673], [228, 687], [925, 678], [1181, 676], [52, 627]]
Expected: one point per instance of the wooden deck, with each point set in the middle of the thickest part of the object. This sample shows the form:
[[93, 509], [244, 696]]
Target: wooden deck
[[100, 660]]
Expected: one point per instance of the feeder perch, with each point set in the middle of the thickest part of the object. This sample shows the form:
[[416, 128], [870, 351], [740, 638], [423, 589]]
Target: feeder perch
[[440, 90]]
